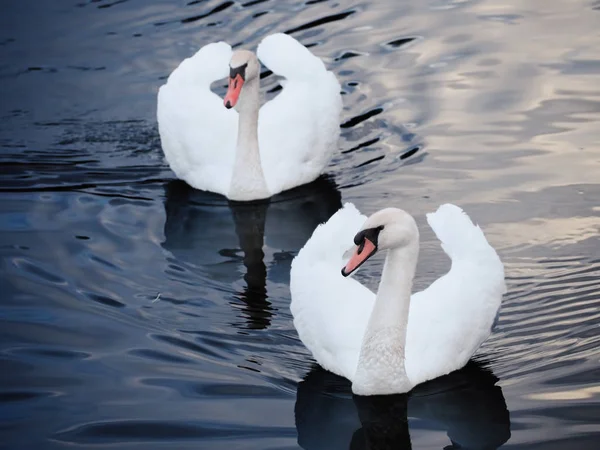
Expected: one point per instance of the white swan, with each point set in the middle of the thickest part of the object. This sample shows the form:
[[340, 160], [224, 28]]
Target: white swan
[[254, 154], [389, 343]]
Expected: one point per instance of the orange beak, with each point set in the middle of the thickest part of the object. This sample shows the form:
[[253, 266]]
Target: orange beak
[[363, 252], [233, 92]]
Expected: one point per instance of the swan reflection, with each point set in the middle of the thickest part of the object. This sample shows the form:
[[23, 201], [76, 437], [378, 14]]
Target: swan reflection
[[466, 404], [226, 241]]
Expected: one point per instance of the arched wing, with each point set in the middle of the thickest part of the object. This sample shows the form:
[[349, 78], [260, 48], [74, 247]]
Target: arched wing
[[198, 134], [330, 311], [299, 129]]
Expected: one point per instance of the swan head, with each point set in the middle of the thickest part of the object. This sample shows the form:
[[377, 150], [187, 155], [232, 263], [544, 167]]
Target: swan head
[[386, 229], [243, 67]]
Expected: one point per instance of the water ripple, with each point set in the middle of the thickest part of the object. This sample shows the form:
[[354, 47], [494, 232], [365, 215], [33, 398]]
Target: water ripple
[[137, 310], [144, 431]]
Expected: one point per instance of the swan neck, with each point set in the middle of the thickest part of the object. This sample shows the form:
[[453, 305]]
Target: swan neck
[[381, 368], [248, 180], [395, 287]]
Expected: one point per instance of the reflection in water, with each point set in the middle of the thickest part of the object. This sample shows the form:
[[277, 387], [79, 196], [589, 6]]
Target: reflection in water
[[250, 228], [215, 235], [466, 404]]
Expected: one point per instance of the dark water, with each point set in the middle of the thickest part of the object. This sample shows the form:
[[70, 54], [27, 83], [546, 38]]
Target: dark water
[[137, 313]]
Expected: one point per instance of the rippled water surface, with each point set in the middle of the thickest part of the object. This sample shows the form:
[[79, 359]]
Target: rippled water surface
[[138, 313]]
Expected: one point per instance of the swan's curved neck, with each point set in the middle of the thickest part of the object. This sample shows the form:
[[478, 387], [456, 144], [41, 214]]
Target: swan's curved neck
[[381, 368], [248, 180]]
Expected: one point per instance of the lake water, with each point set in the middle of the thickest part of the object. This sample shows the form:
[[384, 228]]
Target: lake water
[[139, 313]]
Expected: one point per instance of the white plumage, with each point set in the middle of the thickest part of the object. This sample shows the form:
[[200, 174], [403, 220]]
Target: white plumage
[[447, 322], [297, 131]]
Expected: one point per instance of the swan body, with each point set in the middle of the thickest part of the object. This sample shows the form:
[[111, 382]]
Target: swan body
[[249, 152], [390, 342]]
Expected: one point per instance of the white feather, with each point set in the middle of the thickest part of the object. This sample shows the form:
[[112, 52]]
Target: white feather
[[447, 322], [298, 130]]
